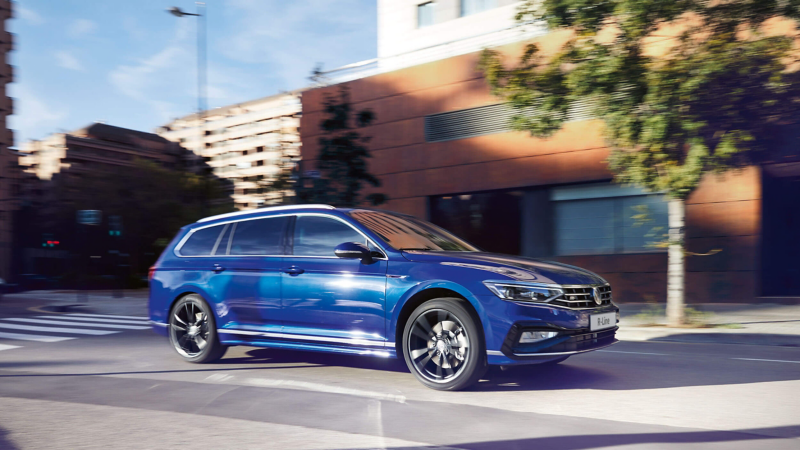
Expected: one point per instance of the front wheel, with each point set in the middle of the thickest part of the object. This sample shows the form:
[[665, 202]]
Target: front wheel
[[193, 331], [443, 346]]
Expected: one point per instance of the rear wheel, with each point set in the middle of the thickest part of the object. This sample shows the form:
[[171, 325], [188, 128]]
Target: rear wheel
[[193, 331], [443, 346]]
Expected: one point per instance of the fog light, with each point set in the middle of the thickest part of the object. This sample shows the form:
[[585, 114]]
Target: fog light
[[536, 336]]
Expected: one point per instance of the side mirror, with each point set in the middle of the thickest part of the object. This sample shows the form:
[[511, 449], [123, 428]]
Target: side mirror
[[354, 250]]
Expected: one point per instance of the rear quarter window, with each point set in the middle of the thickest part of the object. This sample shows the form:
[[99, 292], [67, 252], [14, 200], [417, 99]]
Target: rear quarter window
[[201, 242]]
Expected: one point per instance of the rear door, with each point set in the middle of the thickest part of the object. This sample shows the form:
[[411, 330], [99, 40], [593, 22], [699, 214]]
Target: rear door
[[249, 273], [330, 299]]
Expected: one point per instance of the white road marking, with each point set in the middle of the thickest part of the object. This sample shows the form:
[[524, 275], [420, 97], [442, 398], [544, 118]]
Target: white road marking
[[14, 326], [86, 320], [109, 316], [7, 347], [265, 382], [33, 337], [633, 353], [767, 360], [72, 324]]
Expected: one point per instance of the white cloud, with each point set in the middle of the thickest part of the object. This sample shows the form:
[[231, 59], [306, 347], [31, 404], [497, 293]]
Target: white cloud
[[67, 60], [292, 37], [81, 27], [28, 15], [33, 118]]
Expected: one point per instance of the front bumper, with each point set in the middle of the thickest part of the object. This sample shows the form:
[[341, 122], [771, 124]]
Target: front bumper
[[568, 342]]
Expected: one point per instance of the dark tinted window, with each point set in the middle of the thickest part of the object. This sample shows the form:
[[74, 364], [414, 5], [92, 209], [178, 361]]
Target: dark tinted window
[[318, 236], [201, 242], [259, 237]]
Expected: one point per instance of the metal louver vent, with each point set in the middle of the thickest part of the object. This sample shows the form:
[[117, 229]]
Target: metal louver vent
[[483, 120]]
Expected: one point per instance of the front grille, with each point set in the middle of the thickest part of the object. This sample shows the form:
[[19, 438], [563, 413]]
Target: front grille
[[583, 297]]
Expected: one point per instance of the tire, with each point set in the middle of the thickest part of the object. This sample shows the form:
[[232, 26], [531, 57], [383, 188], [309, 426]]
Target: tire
[[195, 341], [443, 345]]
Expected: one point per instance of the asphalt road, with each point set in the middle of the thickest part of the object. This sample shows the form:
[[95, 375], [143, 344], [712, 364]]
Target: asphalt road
[[122, 386]]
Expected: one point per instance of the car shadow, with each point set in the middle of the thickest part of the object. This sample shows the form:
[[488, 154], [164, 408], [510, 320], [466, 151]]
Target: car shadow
[[591, 441], [577, 373]]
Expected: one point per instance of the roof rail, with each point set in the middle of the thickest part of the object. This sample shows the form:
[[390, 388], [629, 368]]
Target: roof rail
[[270, 208]]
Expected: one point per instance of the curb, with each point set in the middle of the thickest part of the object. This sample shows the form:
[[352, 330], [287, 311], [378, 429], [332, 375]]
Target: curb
[[706, 336]]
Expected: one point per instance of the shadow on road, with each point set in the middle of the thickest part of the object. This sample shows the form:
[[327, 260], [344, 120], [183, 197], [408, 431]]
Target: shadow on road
[[5, 442], [583, 442]]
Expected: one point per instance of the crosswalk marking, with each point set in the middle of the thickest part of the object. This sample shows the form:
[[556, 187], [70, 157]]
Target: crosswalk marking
[[108, 316], [72, 324], [33, 337], [87, 320], [7, 347], [14, 326]]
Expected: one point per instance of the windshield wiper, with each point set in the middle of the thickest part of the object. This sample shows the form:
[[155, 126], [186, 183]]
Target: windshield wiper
[[417, 249]]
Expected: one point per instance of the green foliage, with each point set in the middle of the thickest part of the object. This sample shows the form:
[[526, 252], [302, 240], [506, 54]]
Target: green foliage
[[154, 203], [342, 158], [720, 97]]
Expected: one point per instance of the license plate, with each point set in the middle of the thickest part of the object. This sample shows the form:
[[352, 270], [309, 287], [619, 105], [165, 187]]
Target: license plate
[[602, 321]]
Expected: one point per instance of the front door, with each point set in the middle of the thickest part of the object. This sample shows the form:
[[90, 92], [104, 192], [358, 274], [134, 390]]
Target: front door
[[327, 299]]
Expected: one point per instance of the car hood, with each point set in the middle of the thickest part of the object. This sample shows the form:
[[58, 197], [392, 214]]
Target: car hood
[[514, 267]]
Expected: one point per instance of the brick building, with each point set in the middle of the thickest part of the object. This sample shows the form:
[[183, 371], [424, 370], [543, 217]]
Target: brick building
[[443, 150]]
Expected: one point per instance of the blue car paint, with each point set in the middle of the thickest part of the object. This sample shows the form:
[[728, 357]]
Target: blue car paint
[[340, 301]]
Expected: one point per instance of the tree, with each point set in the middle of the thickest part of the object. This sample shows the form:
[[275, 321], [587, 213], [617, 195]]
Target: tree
[[714, 94], [342, 161], [154, 203]]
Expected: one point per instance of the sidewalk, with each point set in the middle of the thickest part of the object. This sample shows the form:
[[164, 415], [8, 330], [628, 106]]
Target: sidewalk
[[731, 323], [725, 323]]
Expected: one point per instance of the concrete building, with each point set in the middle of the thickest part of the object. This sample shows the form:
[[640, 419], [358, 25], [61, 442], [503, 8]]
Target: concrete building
[[9, 174], [443, 149], [245, 143], [97, 147]]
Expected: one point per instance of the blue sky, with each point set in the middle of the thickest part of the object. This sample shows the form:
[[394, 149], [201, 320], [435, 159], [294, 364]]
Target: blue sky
[[131, 64]]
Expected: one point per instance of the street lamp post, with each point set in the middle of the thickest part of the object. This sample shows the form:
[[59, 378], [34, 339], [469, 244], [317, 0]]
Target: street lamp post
[[201, 78], [201, 66]]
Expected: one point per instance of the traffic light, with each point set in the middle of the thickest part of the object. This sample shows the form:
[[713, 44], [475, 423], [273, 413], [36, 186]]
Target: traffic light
[[115, 225], [49, 241]]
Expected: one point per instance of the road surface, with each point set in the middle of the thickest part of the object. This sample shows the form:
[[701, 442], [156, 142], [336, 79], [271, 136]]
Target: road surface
[[82, 380]]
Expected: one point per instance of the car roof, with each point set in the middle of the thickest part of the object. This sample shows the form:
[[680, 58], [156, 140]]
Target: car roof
[[253, 212]]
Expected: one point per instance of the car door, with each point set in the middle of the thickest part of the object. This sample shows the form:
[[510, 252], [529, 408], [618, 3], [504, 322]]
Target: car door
[[331, 299], [251, 272]]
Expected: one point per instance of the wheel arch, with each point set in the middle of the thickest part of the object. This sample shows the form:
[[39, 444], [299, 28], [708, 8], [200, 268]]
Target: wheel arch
[[430, 292]]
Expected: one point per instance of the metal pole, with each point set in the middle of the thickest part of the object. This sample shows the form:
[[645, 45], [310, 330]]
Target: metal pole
[[201, 84]]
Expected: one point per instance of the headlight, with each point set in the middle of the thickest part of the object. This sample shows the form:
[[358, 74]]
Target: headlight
[[523, 292], [536, 336]]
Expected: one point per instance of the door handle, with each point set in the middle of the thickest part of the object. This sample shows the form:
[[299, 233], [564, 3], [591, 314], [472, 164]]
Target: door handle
[[293, 270], [217, 268]]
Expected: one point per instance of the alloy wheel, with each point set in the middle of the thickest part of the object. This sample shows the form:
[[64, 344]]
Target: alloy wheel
[[189, 325], [438, 345]]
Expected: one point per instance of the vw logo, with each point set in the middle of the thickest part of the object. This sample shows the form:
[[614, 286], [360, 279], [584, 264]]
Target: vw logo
[[596, 295]]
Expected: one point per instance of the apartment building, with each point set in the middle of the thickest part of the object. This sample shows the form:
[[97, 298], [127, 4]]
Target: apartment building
[[443, 149], [96, 148], [9, 174], [246, 143]]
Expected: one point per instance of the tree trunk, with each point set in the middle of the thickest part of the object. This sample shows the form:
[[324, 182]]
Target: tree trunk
[[676, 271]]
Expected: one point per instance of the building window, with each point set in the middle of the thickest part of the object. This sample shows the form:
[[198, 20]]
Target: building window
[[607, 219], [469, 7], [260, 163], [488, 220], [425, 14], [260, 149], [244, 153]]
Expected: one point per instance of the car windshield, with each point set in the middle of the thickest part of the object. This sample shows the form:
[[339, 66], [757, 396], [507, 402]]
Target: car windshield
[[409, 233]]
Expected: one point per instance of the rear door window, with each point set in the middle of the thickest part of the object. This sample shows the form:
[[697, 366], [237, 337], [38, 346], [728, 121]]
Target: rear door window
[[319, 236], [201, 242], [258, 237]]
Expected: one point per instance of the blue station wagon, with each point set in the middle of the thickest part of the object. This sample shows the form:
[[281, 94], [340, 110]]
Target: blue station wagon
[[374, 283]]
